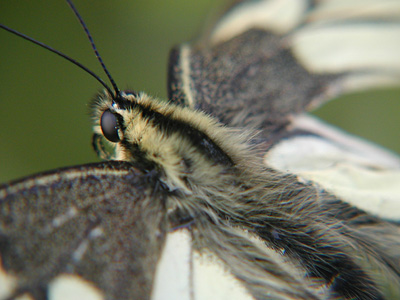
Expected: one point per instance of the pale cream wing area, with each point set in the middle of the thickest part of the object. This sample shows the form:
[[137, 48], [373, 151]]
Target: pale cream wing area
[[353, 169], [186, 274]]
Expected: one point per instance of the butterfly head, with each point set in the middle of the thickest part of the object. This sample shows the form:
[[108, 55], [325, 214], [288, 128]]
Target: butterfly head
[[179, 143], [120, 123]]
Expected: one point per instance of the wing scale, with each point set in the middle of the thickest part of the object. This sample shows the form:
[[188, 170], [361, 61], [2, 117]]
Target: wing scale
[[103, 223]]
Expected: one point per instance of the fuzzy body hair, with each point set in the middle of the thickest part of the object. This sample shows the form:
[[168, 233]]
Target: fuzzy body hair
[[219, 187], [280, 235], [184, 163]]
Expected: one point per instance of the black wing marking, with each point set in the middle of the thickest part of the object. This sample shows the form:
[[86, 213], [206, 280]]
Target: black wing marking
[[266, 62], [94, 221], [306, 245], [268, 59], [270, 85]]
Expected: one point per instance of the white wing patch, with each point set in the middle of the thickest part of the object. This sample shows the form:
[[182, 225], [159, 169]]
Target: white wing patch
[[338, 10], [375, 156], [339, 48], [354, 170], [80, 251], [212, 280], [364, 81], [278, 16], [185, 274], [72, 287], [24, 297], [7, 283], [186, 79], [335, 36], [173, 274], [62, 218], [356, 36], [63, 287]]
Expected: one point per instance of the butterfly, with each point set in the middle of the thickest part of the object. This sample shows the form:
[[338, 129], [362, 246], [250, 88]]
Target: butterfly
[[228, 189]]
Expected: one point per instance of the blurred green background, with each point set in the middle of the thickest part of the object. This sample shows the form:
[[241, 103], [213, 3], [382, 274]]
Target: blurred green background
[[44, 116]]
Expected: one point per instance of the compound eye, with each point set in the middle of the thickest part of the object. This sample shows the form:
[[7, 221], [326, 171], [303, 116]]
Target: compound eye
[[109, 126]]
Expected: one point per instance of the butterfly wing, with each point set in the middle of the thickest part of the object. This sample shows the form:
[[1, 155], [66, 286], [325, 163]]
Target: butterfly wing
[[102, 231], [266, 60], [96, 229], [266, 63]]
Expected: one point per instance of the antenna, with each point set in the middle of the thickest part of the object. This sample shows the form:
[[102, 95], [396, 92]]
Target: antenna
[[89, 36], [70, 59]]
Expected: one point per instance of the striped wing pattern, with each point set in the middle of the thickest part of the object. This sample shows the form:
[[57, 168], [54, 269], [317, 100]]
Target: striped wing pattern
[[103, 231], [91, 221], [267, 60]]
